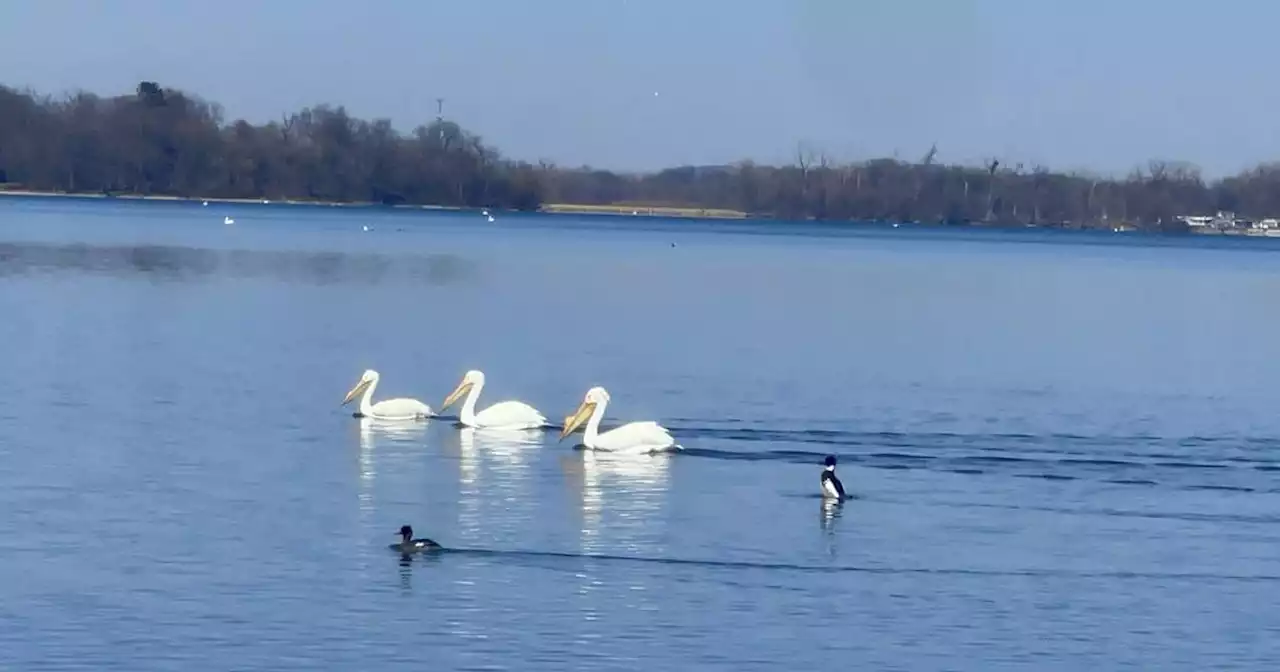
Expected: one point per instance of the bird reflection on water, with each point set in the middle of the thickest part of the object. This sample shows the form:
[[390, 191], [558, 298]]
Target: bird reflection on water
[[494, 477], [636, 487], [387, 432], [406, 568], [376, 437], [512, 448], [830, 511]]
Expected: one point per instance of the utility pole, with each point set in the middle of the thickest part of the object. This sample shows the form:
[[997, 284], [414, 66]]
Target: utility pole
[[440, 118]]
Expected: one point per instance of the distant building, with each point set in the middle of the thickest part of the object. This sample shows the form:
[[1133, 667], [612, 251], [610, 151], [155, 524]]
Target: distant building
[[1225, 221]]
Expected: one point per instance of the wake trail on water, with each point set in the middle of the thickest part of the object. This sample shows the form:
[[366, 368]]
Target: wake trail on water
[[1195, 463], [559, 556]]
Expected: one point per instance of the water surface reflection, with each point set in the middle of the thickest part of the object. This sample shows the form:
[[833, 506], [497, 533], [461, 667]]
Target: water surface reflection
[[830, 511], [494, 482], [1103, 441], [386, 441], [621, 505], [620, 497], [510, 449], [186, 264]]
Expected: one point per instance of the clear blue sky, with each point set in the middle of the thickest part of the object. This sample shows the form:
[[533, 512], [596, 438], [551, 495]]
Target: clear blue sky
[[1097, 84]]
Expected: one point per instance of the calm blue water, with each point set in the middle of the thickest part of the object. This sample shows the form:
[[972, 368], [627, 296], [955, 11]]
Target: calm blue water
[[1066, 448]]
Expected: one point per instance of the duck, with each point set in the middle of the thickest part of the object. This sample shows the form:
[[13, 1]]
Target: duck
[[832, 488], [409, 545]]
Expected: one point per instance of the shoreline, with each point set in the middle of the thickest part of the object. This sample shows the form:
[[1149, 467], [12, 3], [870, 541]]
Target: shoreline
[[629, 210], [28, 193], [613, 210], [642, 210]]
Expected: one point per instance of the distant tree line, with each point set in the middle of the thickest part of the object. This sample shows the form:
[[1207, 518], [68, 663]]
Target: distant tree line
[[889, 190], [161, 141]]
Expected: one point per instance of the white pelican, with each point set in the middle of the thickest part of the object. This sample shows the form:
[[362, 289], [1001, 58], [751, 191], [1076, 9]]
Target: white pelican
[[387, 409], [633, 437], [502, 415]]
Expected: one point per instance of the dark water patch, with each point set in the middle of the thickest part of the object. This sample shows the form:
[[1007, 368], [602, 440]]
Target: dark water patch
[[991, 460], [1073, 462], [1047, 477], [794, 456], [900, 457], [1191, 465], [1222, 488]]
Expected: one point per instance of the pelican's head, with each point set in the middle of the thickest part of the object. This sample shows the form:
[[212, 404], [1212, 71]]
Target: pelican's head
[[595, 397], [368, 378], [470, 379]]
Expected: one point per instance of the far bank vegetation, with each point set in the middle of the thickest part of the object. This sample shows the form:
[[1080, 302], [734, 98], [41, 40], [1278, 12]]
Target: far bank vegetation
[[162, 141]]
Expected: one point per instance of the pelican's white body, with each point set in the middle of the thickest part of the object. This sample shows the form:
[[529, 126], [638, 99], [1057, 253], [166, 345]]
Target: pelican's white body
[[387, 409], [634, 437], [502, 415]]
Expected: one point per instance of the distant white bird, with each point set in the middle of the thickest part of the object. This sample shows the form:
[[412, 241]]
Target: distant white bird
[[204, 203], [485, 213], [502, 415], [387, 409], [491, 218], [633, 437], [228, 220], [366, 227]]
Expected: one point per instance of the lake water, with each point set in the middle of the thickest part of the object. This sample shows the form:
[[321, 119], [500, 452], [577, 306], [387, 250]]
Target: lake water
[[1066, 448]]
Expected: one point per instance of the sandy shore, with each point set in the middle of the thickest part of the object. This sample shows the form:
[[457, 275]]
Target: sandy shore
[[642, 210]]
